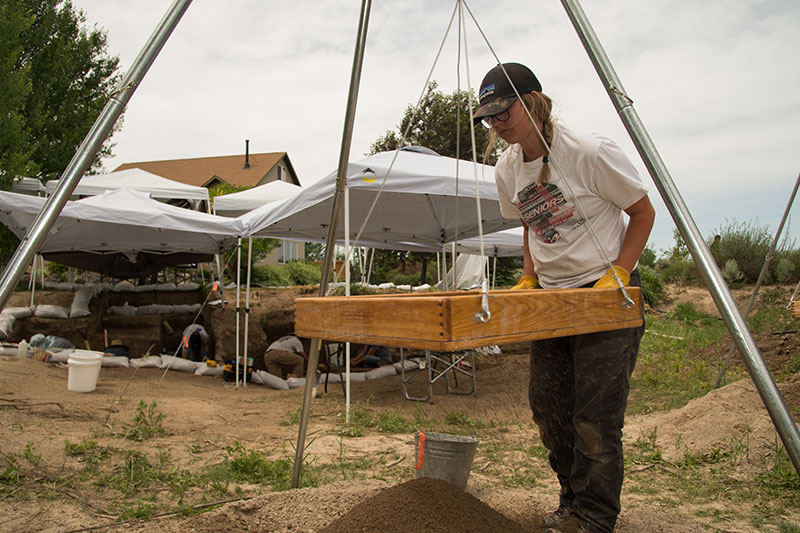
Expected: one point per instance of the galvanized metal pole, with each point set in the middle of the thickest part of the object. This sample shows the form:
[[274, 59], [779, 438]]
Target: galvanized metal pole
[[781, 418], [87, 151], [341, 180], [761, 276]]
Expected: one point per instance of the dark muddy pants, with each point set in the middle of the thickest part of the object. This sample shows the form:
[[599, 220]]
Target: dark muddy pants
[[578, 392]]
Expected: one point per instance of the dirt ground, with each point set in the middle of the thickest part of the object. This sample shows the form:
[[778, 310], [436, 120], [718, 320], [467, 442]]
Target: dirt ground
[[205, 414]]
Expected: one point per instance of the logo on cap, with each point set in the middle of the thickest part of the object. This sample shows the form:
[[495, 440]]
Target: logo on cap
[[486, 92]]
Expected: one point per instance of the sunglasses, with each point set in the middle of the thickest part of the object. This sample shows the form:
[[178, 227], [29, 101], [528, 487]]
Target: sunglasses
[[499, 117]]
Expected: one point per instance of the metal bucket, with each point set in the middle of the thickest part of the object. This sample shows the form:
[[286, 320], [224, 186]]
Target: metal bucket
[[445, 457]]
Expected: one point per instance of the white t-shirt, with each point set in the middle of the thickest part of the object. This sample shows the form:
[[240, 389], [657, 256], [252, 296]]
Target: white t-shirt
[[287, 343], [604, 182]]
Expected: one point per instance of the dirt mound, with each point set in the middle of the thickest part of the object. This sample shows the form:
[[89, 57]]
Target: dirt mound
[[424, 504], [732, 417]]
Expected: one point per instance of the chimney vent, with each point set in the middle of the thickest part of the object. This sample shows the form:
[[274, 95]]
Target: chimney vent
[[246, 154]]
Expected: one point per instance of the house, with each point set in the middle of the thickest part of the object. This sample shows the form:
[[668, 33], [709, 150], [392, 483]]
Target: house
[[245, 170]]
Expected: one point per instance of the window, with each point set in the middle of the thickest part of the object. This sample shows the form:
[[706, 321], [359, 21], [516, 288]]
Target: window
[[288, 251]]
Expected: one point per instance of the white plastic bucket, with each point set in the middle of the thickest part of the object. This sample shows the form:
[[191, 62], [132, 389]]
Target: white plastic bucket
[[85, 355], [84, 370]]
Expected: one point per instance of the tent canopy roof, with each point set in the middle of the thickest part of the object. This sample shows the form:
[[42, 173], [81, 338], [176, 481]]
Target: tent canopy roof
[[137, 179], [426, 200]]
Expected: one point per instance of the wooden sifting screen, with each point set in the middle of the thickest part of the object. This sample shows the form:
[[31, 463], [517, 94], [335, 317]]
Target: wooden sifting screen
[[445, 321]]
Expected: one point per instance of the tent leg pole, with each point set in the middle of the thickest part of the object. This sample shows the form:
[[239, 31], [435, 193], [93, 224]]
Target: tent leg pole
[[344, 157], [87, 151], [238, 303], [247, 308], [765, 384], [346, 293]]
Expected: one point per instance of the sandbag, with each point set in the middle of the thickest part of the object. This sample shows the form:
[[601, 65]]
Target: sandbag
[[19, 312], [333, 377], [144, 288], [179, 363], [408, 364], [80, 303], [294, 383], [262, 377], [8, 350], [51, 311], [6, 325], [381, 372], [114, 360], [166, 287], [205, 370], [121, 310], [123, 286], [150, 361], [355, 376], [58, 356]]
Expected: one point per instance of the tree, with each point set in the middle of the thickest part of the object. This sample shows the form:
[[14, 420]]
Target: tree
[[14, 86], [440, 123], [55, 79]]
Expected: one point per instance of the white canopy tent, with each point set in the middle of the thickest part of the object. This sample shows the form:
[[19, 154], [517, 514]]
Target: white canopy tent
[[30, 186], [406, 199], [427, 200], [470, 265], [239, 203], [139, 180], [123, 233], [505, 243]]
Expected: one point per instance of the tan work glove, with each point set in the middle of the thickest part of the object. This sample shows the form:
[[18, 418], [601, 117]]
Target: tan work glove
[[608, 281], [526, 282]]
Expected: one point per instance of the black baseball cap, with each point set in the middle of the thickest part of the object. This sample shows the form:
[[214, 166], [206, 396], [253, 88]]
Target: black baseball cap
[[497, 94]]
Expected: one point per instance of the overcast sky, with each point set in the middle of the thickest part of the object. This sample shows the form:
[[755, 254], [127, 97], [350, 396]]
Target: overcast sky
[[715, 84]]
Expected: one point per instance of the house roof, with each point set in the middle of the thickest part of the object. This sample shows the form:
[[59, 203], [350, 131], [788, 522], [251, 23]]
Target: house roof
[[202, 171]]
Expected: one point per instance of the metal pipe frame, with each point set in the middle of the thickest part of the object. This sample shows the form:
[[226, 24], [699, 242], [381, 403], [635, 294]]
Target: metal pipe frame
[[765, 384], [87, 151], [341, 180]]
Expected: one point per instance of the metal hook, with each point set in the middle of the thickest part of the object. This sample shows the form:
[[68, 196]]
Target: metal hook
[[485, 315]]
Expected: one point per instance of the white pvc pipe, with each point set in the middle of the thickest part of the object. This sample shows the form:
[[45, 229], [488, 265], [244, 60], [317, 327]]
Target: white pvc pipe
[[238, 301], [247, 308], [347, 293]]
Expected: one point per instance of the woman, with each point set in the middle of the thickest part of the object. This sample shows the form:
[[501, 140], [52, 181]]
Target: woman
[[579, 384]]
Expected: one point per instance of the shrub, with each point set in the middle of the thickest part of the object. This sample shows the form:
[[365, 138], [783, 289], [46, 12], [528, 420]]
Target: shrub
[[648, 257], [748, 244], [653, 290], [409, 279], [677, 270], [303, 273], [731, 272], [784, 270], [271, 276]]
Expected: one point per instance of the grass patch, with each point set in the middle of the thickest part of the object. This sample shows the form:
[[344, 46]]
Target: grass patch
[[667, 376]]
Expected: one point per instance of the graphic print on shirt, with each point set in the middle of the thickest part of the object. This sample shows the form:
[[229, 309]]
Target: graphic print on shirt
[[544, 208]]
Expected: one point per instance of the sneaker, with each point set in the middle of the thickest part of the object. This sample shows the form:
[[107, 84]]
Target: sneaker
[[581, 529], [557, 517]]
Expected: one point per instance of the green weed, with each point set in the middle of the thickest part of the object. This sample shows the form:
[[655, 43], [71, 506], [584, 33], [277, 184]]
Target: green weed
[[147, 422], [463, 422]]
